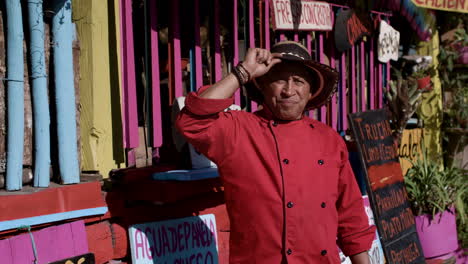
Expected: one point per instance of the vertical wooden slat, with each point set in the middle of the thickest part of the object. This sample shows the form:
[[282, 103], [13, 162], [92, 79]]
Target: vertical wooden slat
[[379, 86], [261, 24], [237, 99], [176, 55], [217, 44], [296, 37], [353, 80], [343, 97], [266, 24], [309, 48], [155, 83], [198, 52], [129, 84], [252, 38], [323, 109], [363, 77], [371, 68], [333, 106]]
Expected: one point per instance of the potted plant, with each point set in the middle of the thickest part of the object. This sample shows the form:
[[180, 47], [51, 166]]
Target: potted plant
[[435, 194], [423, 78]]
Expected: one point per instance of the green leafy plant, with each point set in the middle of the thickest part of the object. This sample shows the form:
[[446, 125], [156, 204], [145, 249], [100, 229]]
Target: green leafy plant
[[432, 189]]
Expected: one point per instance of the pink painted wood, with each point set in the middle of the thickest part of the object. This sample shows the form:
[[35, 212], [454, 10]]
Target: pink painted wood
[[353, 80], [237, 98], [323, 109], [333, 101], [372, 87], [217, 45], [252, 38], [362, 99], [379, 86], [267, 24], [129, 101], [52, 244], [177, 62], [309, 48], [344, 108], [198, 52], [155, 79], [296, 37], [282, 37]]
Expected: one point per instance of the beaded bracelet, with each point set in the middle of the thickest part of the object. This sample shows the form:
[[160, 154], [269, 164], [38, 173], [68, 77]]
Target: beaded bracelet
[[242, 68], [241, 78]]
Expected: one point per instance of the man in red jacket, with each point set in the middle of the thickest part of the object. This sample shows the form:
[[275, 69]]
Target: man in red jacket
[[290, 192]]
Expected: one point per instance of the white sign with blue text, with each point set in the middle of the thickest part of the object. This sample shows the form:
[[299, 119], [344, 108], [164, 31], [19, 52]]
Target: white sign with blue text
[[184, 240]]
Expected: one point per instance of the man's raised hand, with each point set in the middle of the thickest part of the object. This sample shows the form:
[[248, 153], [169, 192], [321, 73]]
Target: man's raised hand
[[259, 61]]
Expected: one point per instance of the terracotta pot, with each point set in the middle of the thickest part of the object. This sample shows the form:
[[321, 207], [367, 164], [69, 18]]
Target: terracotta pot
[[438, 234], [425, 83]]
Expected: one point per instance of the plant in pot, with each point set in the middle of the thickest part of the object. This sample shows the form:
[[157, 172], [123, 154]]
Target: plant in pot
[[423, 78], [435, 194]]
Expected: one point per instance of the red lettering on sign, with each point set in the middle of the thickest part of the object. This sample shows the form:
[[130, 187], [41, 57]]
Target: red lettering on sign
[[355, 29]]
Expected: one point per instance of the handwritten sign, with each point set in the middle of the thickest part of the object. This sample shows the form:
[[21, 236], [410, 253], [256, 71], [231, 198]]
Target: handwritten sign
[[410, 147], [447, 5], [304, 15], [82, 259], [389, 42], [184, 240], [349, 28], [386, 188]]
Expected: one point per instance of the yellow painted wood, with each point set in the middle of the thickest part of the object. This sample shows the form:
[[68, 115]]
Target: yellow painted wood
[[431, 108], [99, 87], [410, 148]]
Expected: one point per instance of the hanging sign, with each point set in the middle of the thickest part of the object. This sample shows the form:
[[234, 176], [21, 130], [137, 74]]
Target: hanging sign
[[349, 28], [306, 15], [393, 216], [178, 241], [410, 147], [389, 42], [460, 6]]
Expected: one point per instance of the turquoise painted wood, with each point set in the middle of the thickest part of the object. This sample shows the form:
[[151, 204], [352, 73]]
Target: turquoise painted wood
[[62, 30], [15, 100], [39, 95]]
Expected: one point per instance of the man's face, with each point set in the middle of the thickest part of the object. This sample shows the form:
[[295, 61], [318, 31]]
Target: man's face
[[286, 90]]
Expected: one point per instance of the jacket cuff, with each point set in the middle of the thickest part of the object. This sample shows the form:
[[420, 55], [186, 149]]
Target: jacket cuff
[[358, 243], [203, 106]]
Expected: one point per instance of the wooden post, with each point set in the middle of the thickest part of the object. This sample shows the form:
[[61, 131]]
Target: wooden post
[[15, 101], [217, 45], [371, 68], [237, 99], [344, 106], [323, 109], [155, 83], [65, 94], [353, 80], [363, 77], [252, 39]]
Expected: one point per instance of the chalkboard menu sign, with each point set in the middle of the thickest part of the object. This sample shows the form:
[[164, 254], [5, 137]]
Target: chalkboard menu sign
[[386, 188]]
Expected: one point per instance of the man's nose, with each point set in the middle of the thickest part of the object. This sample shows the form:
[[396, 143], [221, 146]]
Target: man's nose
[[288, 89]]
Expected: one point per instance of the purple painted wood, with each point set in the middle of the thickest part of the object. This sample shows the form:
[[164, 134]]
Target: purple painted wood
[[362, 62], [5, 251], [353, 80], [177, 65], [343, 97], [237, 98], [80, 239], [21, 249], [129, 83], [155, 79], [379, 86], [252, 38], [372, 87], [198, 52], [333, 101], [309, 48], [217, 44], [323, 109], [266, 24], [52, 244]]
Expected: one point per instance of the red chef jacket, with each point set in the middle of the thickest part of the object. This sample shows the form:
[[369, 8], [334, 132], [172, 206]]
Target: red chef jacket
[[290, 192]]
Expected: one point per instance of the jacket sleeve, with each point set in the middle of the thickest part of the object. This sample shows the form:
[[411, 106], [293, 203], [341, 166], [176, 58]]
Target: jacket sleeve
[[355, 235], [206, 126]]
